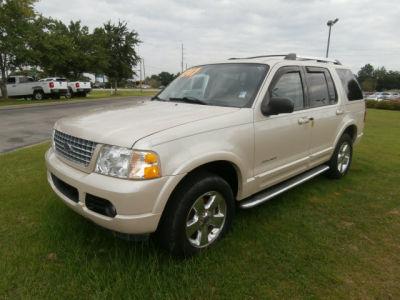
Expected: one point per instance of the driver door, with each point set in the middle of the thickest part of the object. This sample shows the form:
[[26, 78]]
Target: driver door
[[282, 141]]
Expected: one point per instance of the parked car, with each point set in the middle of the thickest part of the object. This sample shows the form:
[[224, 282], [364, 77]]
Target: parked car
[[234, 133], [79, 88], [379, 96], [75, 88], [27, 87]]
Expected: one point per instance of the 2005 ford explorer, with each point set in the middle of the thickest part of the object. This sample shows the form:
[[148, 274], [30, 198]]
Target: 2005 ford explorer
[[220, 136]]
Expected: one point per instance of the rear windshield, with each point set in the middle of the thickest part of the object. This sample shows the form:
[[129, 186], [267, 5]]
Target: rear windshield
[[350, 84], [232, 84]]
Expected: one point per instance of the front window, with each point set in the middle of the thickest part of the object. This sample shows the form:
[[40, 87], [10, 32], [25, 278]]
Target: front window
[[232, 84]]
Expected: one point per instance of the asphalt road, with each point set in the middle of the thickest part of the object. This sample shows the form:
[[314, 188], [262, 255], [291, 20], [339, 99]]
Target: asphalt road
[[20, 127]]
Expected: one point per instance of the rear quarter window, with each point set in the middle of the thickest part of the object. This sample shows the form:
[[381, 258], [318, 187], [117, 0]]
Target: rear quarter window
[[350, 84]]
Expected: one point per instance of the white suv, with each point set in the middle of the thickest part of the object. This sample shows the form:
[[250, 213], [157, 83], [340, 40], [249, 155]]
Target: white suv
[[233, 133]]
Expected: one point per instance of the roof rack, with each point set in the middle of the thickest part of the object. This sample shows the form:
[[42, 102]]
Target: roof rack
[[293, 56]]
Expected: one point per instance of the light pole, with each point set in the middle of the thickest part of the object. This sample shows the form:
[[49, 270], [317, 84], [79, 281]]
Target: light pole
[[330, 24]]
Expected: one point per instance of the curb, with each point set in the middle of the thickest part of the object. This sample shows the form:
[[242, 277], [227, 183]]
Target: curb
[[64, 102]]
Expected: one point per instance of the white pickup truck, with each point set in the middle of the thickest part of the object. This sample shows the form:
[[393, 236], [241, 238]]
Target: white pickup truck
[[27, 87], [75, 88], [79, 88]]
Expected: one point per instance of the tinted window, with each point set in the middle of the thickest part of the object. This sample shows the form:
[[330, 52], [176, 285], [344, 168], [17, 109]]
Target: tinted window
[[318, 89], [11, 80], [289, 86], [350, 84]]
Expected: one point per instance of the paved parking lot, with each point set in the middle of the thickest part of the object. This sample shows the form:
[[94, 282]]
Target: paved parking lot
[[21, 127]]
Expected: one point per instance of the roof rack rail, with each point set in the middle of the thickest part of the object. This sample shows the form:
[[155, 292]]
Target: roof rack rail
[[260, 56], [292, 56]]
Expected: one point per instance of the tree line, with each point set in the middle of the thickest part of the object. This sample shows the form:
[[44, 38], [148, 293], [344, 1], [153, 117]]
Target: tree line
[[378, 79], [52, 48]]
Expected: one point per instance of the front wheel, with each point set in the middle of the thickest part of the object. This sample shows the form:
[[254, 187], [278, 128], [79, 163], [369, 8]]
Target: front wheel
[[199, 214], [341, 159]]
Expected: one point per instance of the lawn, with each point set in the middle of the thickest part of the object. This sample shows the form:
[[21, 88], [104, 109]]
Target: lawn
[[94, 94], [324, 239]]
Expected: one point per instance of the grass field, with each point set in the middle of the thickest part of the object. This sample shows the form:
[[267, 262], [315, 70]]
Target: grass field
[[324, 239], [94, 94]]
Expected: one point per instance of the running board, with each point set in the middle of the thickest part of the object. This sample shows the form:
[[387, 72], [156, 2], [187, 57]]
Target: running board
[[278, 189]]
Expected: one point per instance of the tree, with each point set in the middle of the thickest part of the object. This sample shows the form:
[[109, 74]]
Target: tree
[[165, 78], [16, 19], [117, 49], [64, 50]]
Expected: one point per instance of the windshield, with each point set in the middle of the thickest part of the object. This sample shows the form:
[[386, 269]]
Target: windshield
[[233, 85]]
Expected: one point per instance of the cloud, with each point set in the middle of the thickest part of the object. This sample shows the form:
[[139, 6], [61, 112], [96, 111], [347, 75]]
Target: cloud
[[218, 29]]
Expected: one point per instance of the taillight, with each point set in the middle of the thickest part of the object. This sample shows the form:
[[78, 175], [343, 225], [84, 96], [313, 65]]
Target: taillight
[[77, 84], [51, 84]]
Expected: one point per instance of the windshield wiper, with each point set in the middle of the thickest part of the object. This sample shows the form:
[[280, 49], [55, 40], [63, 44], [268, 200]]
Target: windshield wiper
[[157, 98], [189, 100]]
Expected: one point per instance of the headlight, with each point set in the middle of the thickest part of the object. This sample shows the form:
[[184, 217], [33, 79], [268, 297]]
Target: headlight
[[126, 163]]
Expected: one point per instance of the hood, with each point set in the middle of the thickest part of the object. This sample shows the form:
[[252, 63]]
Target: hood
[[126, 124]]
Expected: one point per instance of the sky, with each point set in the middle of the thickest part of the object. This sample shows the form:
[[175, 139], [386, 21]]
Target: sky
[[211, 30]]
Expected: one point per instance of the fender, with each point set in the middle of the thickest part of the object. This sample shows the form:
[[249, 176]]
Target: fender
[[37, 88], [343, 128], [191, 165]]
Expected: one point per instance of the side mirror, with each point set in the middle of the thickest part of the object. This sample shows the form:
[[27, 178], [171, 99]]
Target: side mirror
[[277, 106]]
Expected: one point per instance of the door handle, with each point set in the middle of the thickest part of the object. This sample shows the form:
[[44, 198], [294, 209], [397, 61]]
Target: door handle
[[304, 120], [339, 112]]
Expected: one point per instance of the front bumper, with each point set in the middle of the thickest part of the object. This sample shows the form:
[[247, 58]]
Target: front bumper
[[138, 204]]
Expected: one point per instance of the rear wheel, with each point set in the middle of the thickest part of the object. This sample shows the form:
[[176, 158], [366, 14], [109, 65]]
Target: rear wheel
[[199, 214], [69, 94], [341, 159], [38, 95]]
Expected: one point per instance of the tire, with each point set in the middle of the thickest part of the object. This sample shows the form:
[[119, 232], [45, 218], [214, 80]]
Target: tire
[[69, 94], [341, 159], [38, 95], [188, 215]]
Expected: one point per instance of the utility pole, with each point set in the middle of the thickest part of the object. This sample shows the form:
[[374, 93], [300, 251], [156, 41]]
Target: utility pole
[[144, 71], [330, 24], [182, 59], [140, 75]]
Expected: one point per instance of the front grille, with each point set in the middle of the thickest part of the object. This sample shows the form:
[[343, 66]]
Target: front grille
[[67, 190], [77, 150], [100, 206]]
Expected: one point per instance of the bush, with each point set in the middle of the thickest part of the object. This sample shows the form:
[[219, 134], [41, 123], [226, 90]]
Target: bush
[[385, 104]]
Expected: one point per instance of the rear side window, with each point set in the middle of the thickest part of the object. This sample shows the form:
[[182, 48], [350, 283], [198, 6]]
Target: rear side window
[[11, 80], [317, 89], [350, 84], [289, 86]]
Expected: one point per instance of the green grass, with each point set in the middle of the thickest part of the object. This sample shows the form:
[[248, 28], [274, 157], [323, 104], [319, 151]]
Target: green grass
[[93, 95], [324, 239]]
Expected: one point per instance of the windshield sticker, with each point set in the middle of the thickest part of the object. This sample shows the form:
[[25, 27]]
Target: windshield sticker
[[242, 94], [190, 72]]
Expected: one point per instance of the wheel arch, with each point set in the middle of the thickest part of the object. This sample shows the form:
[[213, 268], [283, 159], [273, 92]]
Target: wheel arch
[[226, 169], [351, 129]]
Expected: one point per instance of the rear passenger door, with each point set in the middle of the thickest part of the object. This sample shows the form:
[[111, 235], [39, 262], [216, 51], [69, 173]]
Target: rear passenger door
[[324, 113]]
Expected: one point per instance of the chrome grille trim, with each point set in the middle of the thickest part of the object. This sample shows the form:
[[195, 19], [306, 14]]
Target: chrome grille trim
[[76, 150]]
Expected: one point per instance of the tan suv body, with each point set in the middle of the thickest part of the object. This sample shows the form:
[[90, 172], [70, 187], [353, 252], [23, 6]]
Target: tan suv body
[[248, 149]]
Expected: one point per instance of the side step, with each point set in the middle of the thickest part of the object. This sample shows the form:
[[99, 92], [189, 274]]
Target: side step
[[278, 189]]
